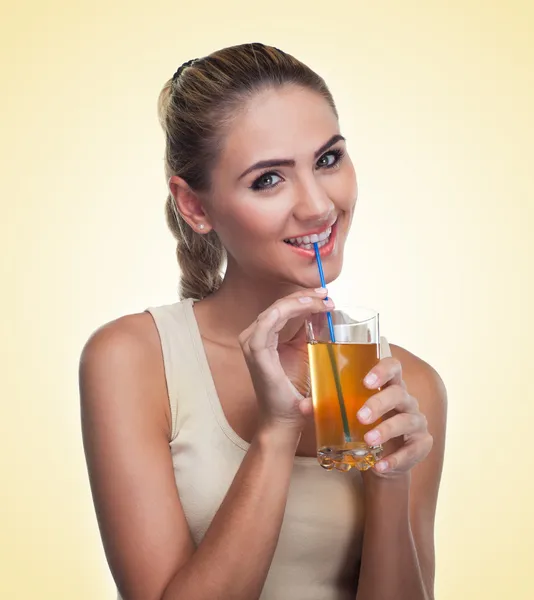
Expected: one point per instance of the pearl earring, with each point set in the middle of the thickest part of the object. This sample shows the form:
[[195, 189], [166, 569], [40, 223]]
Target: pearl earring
[[201, 226]]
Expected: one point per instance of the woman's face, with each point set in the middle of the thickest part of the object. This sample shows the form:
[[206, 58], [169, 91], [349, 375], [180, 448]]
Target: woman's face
[[283, 174]]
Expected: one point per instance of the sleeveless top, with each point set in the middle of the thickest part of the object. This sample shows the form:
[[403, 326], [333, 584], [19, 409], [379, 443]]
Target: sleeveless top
[[319, 548]]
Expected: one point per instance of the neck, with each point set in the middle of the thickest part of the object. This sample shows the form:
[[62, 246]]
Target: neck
[[237, 303]]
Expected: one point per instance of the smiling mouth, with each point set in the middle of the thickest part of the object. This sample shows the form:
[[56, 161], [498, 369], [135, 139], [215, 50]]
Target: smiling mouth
[[306, 242]]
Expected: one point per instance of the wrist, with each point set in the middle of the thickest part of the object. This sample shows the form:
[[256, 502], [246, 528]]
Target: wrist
[[391, 485], [278, 437], [387, 501]]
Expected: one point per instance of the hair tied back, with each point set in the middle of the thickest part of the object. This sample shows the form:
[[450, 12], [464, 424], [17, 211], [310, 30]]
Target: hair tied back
[[186, 64]]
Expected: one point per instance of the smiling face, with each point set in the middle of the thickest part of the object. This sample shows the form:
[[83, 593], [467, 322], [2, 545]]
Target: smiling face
[[282, 178]]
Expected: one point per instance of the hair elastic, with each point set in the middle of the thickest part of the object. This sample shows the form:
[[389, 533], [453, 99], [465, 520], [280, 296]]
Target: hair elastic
[[186, 64]]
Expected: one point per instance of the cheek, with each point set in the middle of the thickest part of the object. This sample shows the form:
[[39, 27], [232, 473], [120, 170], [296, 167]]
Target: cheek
[[246, 226], [342, 187], [344, 190]]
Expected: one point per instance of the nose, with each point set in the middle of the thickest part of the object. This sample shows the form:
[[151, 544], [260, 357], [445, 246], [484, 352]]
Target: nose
[[312, 203]]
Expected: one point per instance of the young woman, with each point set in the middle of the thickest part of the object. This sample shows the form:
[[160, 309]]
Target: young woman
[[196, 417]]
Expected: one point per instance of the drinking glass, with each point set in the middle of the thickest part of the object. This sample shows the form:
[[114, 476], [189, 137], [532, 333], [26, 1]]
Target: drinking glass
[[338, 367]]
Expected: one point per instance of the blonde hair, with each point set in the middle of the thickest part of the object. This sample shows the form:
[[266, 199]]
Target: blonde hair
[[195, 108]]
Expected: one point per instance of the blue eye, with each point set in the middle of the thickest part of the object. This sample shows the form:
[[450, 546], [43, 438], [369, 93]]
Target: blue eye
[[330, 159], [266, 181], [269, 180]]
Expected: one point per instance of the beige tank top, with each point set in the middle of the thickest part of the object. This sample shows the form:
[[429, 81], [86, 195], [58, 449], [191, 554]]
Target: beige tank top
[[319, 549]]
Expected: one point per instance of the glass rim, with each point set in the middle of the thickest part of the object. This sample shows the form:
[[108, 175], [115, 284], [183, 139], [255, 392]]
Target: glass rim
[[372, 315]]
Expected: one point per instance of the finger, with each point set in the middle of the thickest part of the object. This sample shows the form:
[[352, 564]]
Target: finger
[[314, 294], [407, 456], [395, 426], [306, 407], [388, 370], [285, 309], [394, 397]]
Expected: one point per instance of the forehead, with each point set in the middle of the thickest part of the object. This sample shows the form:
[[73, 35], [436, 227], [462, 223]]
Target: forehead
[[287, 122]]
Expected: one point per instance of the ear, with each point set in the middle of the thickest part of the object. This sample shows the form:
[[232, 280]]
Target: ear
[[189, 205]]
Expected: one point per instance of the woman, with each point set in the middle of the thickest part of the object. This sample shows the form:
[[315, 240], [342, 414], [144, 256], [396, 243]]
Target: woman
[[197, 429]]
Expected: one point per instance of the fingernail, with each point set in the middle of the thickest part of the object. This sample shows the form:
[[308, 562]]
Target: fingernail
[[371, 379], [329, 302], [381, 466], [364, 413], [321, 291], [305, 299], [372, 436]]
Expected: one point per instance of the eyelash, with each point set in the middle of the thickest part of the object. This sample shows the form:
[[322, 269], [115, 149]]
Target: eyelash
[[338, 154]]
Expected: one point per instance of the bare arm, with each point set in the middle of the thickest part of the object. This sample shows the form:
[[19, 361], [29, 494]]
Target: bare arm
[[125, 423], [234, 558], [125, 426], [398, 549]]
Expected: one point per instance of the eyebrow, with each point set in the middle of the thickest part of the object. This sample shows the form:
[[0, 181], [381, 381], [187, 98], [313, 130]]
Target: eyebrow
[[289, 162]]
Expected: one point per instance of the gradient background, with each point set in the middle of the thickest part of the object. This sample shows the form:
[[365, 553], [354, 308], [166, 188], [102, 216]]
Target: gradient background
[[436, 100]]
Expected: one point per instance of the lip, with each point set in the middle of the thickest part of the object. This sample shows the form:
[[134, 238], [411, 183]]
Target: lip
[[317, 230], [324, 251]]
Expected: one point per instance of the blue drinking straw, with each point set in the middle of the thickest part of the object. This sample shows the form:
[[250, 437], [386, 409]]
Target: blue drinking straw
[[346, 428], [323, 284]]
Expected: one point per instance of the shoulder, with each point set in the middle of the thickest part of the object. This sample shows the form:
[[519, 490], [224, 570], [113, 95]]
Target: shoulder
[[125, 337], [121, 366], [422, 380]]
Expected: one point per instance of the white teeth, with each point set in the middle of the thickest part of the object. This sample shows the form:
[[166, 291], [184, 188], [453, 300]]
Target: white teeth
[[325, 234], [307, 241]]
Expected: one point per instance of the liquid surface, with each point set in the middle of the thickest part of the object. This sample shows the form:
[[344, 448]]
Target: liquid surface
[[351, 363]]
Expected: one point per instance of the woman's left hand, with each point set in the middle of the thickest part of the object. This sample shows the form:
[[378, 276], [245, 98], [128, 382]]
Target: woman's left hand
[[403, 430]]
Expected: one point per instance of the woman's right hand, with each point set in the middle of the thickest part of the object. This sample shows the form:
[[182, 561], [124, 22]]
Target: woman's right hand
[[279, 400]]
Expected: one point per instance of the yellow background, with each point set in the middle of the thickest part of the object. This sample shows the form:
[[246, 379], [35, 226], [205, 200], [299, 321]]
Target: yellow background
[[436, 100]]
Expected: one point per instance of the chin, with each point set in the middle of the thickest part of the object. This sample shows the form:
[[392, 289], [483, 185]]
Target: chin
[[309, 276]]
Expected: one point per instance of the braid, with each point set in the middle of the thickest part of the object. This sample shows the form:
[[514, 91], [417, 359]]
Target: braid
[[200, 256]]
